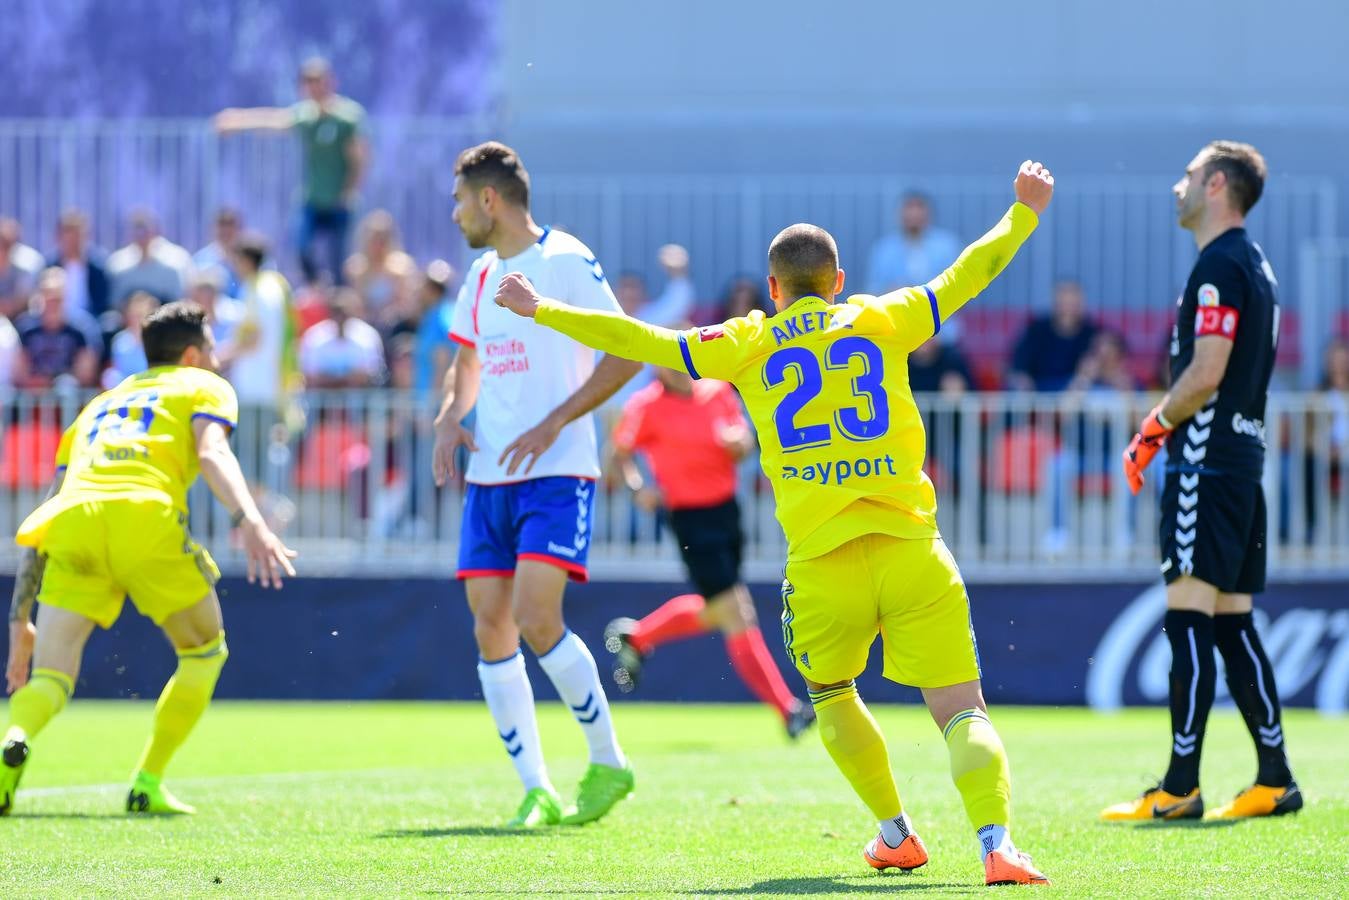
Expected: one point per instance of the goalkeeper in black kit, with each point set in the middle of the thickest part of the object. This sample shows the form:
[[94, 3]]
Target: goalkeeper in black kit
[[1213, 519]]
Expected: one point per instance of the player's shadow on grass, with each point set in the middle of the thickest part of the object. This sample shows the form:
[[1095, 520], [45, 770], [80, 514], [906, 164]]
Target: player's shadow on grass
[[834, 884], [474, 831]]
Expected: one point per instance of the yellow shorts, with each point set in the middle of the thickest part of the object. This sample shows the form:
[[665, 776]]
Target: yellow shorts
[[907, 591], [99, 552]]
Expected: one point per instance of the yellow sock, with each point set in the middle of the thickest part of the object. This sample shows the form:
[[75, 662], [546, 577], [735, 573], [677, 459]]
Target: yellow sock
[[979, 768], [854, 740], [183, 701], [37, 702]]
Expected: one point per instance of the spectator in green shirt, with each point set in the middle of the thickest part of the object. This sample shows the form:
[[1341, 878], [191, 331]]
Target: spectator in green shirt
[[331, 129]]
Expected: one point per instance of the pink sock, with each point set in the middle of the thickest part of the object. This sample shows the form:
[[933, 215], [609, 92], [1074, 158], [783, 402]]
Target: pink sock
[[675, 619], [754, 664]]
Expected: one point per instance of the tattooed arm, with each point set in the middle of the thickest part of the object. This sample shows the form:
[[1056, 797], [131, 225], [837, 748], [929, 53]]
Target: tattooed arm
[[22, 632], [26, 583]]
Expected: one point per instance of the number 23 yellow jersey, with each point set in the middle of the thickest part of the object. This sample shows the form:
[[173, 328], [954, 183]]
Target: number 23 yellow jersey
[[827, 387]]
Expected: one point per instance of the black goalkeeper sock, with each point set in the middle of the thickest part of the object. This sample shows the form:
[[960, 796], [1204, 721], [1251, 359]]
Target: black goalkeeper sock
[[1250, 678], [1193, 676]]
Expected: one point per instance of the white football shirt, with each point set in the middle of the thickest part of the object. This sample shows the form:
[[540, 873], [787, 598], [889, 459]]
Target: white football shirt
[[529, 370]]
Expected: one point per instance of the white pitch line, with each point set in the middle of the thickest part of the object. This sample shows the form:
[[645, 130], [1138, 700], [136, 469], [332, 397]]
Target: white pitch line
[[262, 777]]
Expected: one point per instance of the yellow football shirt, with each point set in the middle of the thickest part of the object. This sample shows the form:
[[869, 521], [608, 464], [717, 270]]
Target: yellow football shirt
[[136, 442], [827, 387]]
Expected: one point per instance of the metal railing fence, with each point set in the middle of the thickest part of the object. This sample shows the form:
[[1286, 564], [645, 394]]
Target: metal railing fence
[[1116, 234], [1028, 486]]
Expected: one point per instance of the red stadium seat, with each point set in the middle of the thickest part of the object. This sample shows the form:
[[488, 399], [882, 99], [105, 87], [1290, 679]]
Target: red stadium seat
[[1290, 341], [1019, 458], [988, 336], [332, 453], [28, 455]]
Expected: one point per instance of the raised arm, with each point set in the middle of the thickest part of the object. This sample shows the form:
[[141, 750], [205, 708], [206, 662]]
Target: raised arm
[[257, 118], [985, 259], [268, 558]]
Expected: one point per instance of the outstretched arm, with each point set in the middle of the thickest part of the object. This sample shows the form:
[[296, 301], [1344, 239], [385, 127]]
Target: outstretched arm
[[258, 118], [610, 332]]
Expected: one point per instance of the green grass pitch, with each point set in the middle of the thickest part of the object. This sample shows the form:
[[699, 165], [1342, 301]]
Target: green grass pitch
[[403, 799]]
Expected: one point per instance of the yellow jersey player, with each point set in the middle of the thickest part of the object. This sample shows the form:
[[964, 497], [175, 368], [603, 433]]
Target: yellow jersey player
[[826, 385], [115, 523]]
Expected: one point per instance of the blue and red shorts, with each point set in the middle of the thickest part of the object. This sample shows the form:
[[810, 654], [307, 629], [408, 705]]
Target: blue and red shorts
[[543, 519]]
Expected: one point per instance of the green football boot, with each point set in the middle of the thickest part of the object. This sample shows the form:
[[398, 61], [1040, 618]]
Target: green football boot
[[601, 789], [12, 760], [540, 808], [148, 796]]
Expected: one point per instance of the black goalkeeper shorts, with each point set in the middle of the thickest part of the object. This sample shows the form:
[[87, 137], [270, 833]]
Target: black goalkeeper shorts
[[1214, 528]]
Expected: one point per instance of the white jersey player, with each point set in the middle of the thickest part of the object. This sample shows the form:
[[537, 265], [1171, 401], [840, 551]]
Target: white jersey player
[[531, 477]]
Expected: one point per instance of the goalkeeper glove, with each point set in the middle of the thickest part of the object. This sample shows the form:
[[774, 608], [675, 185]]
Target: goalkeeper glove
[[1149, 439]]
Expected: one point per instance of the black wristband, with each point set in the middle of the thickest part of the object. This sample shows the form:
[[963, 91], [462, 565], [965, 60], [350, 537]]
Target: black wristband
[[237, 517]]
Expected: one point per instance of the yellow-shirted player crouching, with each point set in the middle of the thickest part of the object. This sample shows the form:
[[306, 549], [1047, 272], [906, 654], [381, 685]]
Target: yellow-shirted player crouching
[[826, 385], [115, 524]]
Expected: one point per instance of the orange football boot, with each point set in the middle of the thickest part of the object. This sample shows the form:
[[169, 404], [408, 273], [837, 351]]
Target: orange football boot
[[1011, 868], [1260, 800], [1155, 803], [909, 855]]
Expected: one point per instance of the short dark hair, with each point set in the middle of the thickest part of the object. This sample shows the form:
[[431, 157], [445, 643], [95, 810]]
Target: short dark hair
[[253, 247], [170, 330], [804, 260], [1244, 167], [496, 165]]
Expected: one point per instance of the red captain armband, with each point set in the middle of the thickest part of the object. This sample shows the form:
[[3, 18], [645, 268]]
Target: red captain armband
[[1219, 320]]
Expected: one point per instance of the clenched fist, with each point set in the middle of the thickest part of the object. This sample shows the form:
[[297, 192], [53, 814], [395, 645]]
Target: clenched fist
[[1034, 186], [517, 294]]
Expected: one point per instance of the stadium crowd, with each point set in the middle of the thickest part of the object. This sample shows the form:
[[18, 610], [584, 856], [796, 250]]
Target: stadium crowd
[[71, 316]]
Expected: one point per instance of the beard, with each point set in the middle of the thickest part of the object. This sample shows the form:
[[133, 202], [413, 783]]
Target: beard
[[1189, 214], [476, 235]]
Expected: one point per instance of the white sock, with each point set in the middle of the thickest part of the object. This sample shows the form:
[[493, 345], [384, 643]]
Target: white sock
[[894, 831], [572, 669], [505, 687], [994, 837]]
